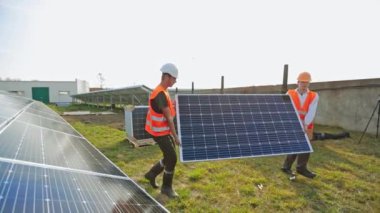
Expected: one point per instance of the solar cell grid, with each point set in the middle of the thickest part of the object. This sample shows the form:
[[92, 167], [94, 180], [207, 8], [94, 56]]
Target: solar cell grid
[[213, 127], [41, 107], [7, 112], [47, 115], [15, 101], [138, 122], [31, 143], [135, 122], [25, 188], [46, 123], [46, 166]]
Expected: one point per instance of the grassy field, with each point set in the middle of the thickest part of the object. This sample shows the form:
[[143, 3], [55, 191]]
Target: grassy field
[[347, 181], [79, 107]]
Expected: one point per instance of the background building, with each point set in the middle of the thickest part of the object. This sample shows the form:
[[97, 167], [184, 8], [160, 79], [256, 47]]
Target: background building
[[57, 92]]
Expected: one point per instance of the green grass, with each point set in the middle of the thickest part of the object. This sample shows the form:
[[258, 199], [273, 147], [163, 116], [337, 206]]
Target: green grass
[[348, 177], [79, 107]]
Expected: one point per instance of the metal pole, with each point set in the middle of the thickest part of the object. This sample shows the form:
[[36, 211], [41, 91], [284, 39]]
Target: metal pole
[[378, 118], [222, 86], [285, 80], [111, 102], [192, 87], [104, 102]]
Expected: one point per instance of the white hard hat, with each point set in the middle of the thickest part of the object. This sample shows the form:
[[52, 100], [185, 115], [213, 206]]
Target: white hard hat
[[170, 69]]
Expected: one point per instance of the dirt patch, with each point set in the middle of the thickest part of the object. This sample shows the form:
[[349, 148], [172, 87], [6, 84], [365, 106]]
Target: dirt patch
[[115, 120]]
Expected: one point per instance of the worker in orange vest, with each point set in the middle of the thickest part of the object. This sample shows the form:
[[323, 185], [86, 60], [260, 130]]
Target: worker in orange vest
[[306, 102], [159, 123]]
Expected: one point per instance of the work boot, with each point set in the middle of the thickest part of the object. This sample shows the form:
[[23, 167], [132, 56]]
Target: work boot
[[304, 172], [167, 188], [152, 174], [287, 171]]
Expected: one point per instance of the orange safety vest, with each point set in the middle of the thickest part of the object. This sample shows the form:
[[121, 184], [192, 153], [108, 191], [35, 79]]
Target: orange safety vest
[[302, 110], [156, 123]]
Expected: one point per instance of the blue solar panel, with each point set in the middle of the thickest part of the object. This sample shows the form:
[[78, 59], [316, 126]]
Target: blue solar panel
[[135, 122], [25, 142], [213, 127], [30, 188], [47, 166], [138, 121]]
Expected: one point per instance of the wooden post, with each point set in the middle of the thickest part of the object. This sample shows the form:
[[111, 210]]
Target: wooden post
[[285, 80]]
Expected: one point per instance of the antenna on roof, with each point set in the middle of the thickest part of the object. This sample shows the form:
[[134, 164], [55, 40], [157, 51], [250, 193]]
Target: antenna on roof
[[101, 80]]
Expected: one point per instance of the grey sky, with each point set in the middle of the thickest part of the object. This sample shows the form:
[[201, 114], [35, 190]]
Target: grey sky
[[246, 41]]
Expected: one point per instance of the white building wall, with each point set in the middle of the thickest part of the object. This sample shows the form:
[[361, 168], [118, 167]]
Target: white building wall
[[82, 86], [59, 91]]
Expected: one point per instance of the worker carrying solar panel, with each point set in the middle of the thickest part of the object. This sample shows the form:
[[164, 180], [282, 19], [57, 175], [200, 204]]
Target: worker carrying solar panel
[[306, 102], [159, 123]]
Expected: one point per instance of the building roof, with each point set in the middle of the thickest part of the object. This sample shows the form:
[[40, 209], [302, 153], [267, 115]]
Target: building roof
[[135, 95]]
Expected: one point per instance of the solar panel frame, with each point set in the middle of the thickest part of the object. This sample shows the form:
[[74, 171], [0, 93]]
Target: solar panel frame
[[220, 135]]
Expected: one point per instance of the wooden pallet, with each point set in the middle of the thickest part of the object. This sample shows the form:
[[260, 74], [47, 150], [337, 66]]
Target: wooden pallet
[[139, 143]]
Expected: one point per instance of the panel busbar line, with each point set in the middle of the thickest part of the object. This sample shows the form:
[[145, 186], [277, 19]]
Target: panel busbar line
[[215, 127]]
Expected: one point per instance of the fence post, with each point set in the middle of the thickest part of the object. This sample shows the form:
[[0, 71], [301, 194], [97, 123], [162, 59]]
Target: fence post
[[285, 80], [222, 86]]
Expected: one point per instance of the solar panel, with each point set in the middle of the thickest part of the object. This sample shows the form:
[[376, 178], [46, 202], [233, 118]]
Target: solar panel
[[213, 127], [25, 142], [2, 120], [135, 122], [135, 119], [11, 105], [46, 165], [29, 188], [45, 122], [47, 115]]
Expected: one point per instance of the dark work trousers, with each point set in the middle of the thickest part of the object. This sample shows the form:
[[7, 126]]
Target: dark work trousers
[[302, 158], [301, 161], [167, 147]]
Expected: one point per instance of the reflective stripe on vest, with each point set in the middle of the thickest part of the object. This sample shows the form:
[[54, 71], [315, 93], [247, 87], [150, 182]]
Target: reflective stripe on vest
[[155, 118], [302, 110], [157, 129], [156, 123]]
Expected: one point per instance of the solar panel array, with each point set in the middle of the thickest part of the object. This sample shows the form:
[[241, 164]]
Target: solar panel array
[[213, 127], [45, 165]]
